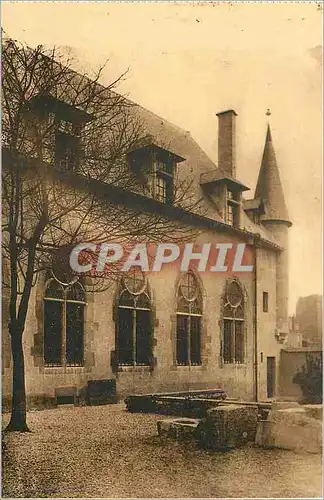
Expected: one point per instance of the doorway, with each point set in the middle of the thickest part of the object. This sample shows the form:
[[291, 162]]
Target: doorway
[[271, 376]]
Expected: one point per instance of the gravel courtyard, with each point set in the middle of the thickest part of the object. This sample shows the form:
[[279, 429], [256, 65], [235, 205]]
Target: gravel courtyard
[[106, 452]]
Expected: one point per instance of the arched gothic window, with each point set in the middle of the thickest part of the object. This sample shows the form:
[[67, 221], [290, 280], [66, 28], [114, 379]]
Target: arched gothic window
[[233, 324], [134, 332], [64, 323], [189, 313]]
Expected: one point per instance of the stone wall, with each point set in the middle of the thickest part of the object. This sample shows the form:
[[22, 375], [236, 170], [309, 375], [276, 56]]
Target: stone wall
[[100, 315], [268, 344]]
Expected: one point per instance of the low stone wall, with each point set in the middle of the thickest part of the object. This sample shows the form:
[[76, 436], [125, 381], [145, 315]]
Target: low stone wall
[[33, 402], [97, 392], [187, 404]]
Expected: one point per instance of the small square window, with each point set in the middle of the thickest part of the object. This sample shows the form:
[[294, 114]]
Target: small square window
[[265, 302]]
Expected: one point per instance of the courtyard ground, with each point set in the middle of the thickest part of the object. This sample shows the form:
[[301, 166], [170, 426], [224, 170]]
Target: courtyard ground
[[105, 451]]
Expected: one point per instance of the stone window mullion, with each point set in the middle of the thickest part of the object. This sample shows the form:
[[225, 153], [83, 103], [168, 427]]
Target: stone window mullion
[[189, 339], [64, 311], [134, 336]]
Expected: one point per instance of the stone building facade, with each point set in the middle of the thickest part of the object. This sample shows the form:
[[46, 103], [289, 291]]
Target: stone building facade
[[309, 317], [171, 331]]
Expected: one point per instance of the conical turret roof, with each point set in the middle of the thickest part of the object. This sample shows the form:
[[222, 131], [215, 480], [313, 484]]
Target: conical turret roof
[[269, 187]]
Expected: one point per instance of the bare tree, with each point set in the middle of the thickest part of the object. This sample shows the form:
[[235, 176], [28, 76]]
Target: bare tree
[[58, 193]]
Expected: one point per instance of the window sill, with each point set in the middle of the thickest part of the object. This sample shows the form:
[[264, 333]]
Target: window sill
[[134, 368], [234, 364], [188, 366], [51, 370]]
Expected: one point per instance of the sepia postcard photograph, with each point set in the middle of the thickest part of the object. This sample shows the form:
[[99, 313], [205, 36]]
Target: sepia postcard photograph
[[161, 260]]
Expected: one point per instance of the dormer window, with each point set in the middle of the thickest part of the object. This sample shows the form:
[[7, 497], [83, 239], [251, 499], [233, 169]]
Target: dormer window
[[163, 169], [68, 123], [226, 193], [156, 166], [254, 209]]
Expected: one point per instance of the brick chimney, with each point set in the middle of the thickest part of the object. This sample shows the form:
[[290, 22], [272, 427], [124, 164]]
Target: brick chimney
[[227, 142]]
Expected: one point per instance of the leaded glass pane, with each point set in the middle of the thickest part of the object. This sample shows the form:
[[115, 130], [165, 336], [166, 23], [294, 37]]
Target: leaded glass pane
[[74, 334], [195, 307], [127, 299], [234, 293], [239, 312], [195, 340], [183, 305], [135, 280], [54, 290], [228, 341], [53, 332], [182, 353], [228, 311], [239, 342], [76, 292], [125, 336], [143, 338], [188, 286], [142, 301]]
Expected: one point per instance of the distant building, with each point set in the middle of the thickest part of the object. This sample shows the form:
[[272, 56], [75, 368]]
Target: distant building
[[309, 318], [294, 338]]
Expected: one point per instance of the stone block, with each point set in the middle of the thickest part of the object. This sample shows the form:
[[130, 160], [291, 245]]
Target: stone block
[[101, 392], [178, 428], [228, 426], [65, 395], [40, 401], [291, 429]]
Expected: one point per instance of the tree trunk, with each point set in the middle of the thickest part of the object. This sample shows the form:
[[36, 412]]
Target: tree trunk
[[18, 409]]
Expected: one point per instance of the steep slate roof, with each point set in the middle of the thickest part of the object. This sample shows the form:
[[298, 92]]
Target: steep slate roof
[[196, 163], [178, 140], [269, 186]]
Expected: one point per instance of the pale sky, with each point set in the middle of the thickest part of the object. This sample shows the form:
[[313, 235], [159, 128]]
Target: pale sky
[[189, 61]]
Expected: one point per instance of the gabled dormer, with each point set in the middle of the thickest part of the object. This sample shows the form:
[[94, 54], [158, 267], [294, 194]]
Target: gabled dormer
[[254, 209], [63, 123], [226, 193], [155, 167]]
